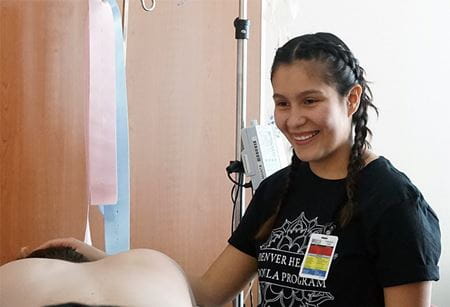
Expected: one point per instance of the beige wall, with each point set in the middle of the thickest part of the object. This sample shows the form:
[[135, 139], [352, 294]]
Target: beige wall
[[43, 89], [181, 93]]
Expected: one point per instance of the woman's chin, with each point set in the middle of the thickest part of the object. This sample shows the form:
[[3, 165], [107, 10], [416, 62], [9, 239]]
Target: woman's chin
[[307, 154]]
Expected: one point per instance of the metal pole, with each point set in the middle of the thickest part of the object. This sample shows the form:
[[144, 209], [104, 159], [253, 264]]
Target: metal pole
[[125, 10], [241, 84], [241, 24], [241, 99]]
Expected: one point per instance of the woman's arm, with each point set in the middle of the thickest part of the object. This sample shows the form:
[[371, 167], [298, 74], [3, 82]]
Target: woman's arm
[[229, 273], [408, 295]]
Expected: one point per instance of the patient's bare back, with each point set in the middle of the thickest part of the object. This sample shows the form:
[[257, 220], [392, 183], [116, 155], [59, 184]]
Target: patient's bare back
[[139, 277]]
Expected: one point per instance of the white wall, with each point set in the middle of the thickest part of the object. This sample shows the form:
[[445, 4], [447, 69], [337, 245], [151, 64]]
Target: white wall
[[405, 48]]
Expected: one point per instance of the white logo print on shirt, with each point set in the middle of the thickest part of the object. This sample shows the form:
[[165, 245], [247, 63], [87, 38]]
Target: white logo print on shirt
[[280, 259]]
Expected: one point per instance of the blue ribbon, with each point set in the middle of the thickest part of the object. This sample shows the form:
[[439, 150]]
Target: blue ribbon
[[117, 216]]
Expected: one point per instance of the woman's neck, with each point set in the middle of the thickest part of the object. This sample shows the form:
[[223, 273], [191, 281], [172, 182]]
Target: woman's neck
[[335, 166]]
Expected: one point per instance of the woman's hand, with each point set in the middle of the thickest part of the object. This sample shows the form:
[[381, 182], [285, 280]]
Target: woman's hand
[[90, 252]]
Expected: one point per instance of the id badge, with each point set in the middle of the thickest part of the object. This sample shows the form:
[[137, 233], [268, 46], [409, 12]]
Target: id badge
[[319, 255]]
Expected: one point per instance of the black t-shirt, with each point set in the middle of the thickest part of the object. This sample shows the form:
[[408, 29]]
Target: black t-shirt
[[393, 239]]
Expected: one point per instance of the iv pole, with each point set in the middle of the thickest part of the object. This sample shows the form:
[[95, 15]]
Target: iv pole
[[241, 25]]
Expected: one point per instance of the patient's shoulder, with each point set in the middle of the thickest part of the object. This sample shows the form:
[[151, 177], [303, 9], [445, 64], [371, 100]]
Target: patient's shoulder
[[152, 277], [147, 253], [33, 267], [140, 256], [145, 261], [148, 263], [22, 281]]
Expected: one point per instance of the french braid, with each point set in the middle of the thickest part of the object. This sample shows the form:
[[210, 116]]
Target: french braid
[[266, 228], [343, 72]]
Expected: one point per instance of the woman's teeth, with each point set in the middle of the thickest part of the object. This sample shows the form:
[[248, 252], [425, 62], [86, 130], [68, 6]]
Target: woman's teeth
[[305, 137]]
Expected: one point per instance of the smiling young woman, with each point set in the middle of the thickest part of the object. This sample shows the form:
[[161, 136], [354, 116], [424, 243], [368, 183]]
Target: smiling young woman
[[379, 240]]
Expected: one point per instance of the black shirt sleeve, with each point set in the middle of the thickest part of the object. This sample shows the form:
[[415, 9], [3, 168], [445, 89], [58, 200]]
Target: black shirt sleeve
[[407, 239]]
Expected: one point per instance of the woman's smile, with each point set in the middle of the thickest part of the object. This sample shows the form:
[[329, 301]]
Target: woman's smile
[[304, 138]]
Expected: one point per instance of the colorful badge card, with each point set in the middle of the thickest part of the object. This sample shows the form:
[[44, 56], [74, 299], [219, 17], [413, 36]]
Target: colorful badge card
[[319, 255]]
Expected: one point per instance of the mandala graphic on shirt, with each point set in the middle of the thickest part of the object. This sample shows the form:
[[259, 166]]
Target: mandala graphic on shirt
[[293, 237], [292, 298]]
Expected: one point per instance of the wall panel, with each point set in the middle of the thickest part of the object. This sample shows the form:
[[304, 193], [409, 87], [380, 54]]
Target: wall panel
[[43, 92]]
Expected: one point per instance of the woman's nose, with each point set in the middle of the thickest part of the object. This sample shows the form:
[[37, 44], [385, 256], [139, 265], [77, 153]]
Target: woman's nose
[[296, 117]]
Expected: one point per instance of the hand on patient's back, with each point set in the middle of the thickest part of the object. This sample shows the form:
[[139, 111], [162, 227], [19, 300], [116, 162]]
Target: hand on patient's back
[[24, 252], [90, 252]]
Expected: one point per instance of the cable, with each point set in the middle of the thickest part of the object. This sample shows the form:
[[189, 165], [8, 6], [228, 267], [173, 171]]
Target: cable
[[249, 293], [233, 200], [237, 167], [236, 190]]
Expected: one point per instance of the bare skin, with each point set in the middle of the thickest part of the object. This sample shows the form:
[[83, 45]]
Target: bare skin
[[139, 277]]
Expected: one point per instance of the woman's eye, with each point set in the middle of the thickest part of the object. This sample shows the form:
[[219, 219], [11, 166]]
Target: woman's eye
[[310, 100], [281, 103]]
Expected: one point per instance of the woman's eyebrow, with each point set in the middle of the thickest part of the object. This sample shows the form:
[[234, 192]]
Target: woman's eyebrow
[[277, 96], [308, 92], [301, 94]]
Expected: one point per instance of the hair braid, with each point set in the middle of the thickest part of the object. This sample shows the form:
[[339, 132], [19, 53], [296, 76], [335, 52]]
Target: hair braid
[[295, 164], [356, 163], [265, 229], [360, 143]]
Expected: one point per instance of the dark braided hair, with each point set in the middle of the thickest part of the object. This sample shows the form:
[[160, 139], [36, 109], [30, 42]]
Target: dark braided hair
[[342, 71], [266, 227]]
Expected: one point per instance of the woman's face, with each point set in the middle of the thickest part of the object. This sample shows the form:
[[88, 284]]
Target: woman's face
[[311, 114]]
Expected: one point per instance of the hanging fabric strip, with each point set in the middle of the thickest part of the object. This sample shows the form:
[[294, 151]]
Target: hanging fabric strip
[[101, 134], [117, 217]]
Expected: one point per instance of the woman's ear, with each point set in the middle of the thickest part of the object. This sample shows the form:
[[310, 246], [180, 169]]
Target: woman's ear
[[353, 99]]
